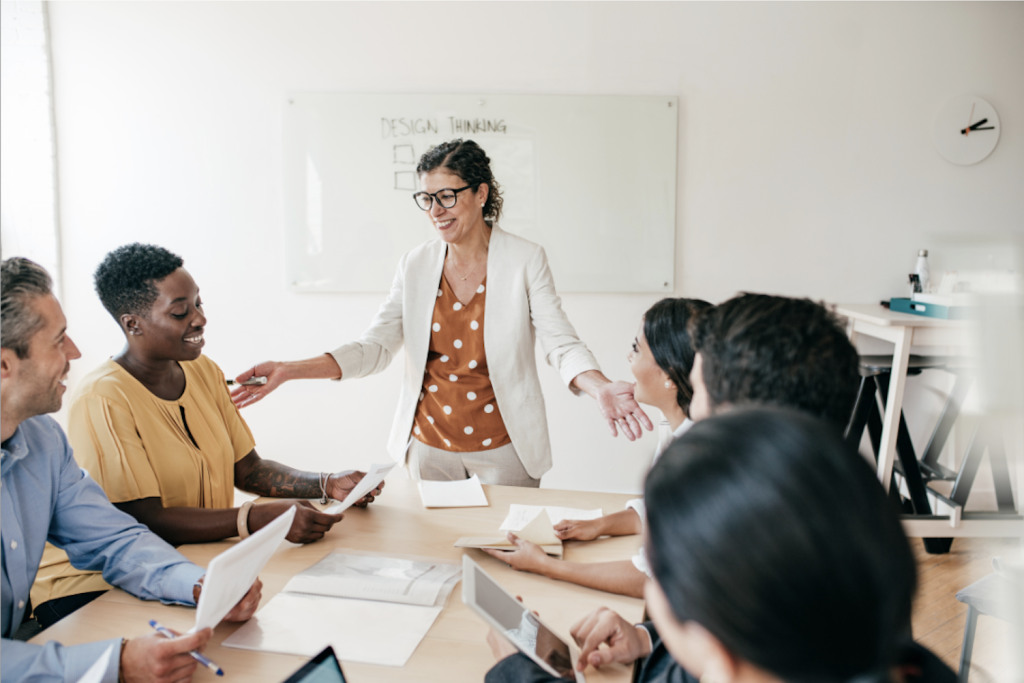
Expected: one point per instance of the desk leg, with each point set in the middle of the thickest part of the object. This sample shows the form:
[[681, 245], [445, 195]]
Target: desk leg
[[894, 403]]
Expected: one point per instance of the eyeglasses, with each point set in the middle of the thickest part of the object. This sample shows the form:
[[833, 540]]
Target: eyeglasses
[[446, 197]]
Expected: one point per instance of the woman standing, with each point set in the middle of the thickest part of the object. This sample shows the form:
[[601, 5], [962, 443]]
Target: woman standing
[[471, 400]]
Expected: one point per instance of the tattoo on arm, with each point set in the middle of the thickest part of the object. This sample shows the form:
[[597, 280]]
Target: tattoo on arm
[[272, 479]]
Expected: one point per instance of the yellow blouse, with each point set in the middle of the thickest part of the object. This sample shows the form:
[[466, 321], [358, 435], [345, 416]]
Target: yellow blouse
[[137, 445]]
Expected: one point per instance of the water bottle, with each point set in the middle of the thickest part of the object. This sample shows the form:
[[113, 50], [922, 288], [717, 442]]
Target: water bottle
[[921, 269]]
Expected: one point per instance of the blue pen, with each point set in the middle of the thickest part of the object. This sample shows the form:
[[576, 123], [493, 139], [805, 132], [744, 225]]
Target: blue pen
[[164, 631]]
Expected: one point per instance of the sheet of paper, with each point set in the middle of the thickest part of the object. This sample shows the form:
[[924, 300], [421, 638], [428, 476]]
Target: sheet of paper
[[466, 493], [373, 632], [368, 483], [99, 668], [371, 577], [230, 575], [521, 515], [539, 530]]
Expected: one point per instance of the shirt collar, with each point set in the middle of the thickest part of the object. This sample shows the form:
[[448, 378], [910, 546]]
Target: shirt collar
[[687, 423], [16, 448]]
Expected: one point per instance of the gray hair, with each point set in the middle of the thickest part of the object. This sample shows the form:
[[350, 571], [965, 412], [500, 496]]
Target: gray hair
[[23, 281]]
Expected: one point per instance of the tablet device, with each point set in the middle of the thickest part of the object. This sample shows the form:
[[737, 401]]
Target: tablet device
[[517, 623], [324, 668]]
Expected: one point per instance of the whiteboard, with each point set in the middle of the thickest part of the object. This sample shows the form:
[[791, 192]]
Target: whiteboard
[[591, 178]]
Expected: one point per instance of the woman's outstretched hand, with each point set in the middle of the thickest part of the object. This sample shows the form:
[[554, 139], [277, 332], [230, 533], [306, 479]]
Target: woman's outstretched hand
[[274, 371], [617, 405]]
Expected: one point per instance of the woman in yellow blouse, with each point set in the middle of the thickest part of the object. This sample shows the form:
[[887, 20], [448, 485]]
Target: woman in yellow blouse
[[156, 428]]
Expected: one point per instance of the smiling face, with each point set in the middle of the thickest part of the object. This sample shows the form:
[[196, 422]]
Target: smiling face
[[173, 328], [38, 380], [650, 378], [457, 224]]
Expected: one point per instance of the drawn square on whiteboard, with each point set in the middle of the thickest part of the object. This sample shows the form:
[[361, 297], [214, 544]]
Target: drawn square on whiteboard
[[404, 154], [405, 180]]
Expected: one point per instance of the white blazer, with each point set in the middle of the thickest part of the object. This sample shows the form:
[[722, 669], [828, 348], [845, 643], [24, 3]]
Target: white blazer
[[521, 305]]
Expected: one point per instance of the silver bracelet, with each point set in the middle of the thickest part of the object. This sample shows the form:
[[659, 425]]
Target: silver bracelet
[[324, 476]]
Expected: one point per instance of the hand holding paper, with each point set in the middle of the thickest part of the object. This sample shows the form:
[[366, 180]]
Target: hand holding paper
[[368, 483], [538, 531], [231, 574], [521, 515], [340, 484]]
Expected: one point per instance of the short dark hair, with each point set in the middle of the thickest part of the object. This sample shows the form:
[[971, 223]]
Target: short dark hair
[[22, 282], [125, 280], [467, 160], [667, 327], [774, 535], [757, 348]]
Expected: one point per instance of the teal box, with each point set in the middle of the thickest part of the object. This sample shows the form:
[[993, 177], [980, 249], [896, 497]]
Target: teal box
[[901, 305]]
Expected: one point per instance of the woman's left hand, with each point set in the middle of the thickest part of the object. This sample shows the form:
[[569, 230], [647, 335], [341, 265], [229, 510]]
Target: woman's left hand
[[617, 405], [526, 556], [340, 484]]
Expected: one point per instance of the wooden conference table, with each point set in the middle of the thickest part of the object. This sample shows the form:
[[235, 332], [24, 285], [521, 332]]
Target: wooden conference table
[[454, 649]]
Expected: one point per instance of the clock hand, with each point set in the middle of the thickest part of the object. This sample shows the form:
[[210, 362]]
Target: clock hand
[[973, 126], [968, 129], [986, 128]]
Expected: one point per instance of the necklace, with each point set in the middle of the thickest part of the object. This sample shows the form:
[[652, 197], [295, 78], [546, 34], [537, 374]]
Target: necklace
[[451, 262]]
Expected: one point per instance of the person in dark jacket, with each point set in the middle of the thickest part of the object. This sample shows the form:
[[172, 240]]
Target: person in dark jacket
[[776, 557]]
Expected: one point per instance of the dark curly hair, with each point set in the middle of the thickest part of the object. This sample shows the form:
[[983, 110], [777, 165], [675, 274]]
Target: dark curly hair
[[757, 348], [467, 160], [667, 327], [769, 531], [125, 279]]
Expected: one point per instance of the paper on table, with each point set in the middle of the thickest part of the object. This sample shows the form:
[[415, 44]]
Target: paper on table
[[230, 575], [367, 631], [99, 668], [539, 530], [521, 515], [371, 577], [368, 483], [465, 493]]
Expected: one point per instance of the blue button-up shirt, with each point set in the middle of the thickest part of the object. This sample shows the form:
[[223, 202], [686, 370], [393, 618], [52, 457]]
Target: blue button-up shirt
[[46, 496]]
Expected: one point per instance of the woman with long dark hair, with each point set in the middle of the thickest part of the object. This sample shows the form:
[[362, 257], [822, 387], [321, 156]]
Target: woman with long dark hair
[[776, 557], [660, 358]]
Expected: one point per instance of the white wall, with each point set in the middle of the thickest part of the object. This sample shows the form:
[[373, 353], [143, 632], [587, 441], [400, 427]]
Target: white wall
[[805, 163], [28, 176]]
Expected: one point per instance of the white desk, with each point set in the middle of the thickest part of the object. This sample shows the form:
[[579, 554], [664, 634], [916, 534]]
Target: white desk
[[905, 330]]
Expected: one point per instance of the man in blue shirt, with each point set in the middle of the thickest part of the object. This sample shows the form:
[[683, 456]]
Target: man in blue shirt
[[45, 496]]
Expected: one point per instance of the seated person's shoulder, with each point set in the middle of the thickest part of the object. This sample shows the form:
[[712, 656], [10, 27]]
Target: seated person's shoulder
[[109, 380], [208, 373], [42, 429]]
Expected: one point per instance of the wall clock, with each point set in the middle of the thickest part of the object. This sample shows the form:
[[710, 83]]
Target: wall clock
[[966, 130]]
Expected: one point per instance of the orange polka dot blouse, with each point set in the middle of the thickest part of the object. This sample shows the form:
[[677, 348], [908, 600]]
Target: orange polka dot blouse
[[456, 410]]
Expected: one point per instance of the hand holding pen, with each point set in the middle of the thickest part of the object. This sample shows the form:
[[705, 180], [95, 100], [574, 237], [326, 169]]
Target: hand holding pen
[[155, 658], [193, 652]]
